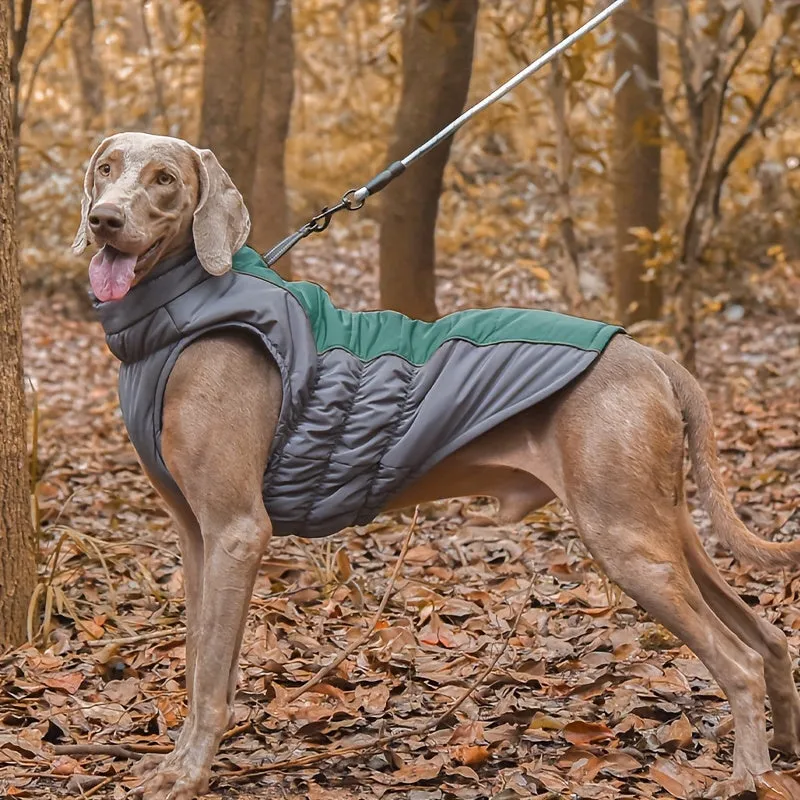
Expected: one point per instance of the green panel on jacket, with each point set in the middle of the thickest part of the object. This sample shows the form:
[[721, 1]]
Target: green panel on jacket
[[369, 334]]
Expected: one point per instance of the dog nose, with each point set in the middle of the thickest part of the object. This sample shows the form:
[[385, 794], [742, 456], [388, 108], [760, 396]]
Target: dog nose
[[106, 218]]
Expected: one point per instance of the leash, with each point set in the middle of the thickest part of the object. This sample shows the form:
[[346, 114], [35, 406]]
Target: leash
[[354, 199]]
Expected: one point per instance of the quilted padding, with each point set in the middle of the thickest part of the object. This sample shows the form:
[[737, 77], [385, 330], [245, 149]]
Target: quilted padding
[[372, 400]]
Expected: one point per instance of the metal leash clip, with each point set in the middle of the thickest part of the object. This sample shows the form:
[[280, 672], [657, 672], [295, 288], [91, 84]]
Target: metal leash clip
[[323, 219], [349, 202]]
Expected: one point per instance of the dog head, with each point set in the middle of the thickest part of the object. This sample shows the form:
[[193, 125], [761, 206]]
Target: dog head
[[148, 197]]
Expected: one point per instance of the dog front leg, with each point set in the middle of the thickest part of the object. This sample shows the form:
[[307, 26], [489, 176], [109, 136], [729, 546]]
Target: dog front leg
[[232, 556], [190, 540], [221, 408], [191, 547]]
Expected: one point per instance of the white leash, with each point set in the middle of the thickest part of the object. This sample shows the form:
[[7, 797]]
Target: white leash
[[355, 198]]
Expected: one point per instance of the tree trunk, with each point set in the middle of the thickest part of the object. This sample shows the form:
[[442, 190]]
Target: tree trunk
[[87, 65], [438, 42], [269, 209], [637, 155], [168, 23], [17, 557], [558, 96], [233, 77], [134, 36], [247, 86]]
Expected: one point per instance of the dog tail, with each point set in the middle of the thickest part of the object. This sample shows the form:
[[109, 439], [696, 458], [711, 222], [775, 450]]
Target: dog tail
[[696, 409]]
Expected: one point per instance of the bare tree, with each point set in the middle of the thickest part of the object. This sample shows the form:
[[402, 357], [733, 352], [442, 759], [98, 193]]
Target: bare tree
[[168, 22], [20, 39], [134, 35], [566, 222], [17, 555], [438, 42], [87, 65], [247, 86], [711, 51], [269, 207], [18, 33], [637, 156]]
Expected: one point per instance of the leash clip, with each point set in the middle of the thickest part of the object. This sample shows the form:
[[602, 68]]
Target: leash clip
[[351, 201], [322, 220]]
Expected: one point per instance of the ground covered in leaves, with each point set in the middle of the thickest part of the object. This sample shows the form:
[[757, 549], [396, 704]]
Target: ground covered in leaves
[[589, 698]]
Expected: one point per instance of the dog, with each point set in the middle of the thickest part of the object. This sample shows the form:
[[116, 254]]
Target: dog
[[211, 395]]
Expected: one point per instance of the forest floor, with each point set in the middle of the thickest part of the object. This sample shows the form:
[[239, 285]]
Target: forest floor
[[590, 698]]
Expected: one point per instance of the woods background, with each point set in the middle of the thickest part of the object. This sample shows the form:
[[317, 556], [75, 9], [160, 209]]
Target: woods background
[[651, 177], [529, 193]]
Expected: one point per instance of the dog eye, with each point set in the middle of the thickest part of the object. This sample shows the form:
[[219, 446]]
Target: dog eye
[[104, 169], [164, 179]]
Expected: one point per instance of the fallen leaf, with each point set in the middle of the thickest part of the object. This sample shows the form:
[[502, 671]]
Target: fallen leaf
[[470, 755], [582, 733], [65, 765], [680, 781], [70, 682]]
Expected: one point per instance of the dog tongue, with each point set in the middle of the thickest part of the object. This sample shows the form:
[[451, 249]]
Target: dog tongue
[[111, 273]]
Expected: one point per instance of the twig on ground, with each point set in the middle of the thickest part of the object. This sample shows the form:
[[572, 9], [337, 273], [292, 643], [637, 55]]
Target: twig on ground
[[237, 729], [382, 741], [98, 787], [144, 749], [132, 751], [142, 637], [364, 638], [116, 750]]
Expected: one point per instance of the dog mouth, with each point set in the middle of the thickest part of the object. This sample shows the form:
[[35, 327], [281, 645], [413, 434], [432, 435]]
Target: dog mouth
[[112, 272], [149, 252]]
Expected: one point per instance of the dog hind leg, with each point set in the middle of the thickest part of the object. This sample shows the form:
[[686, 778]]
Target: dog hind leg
[[758, 634], [615, 445], [659, 579]]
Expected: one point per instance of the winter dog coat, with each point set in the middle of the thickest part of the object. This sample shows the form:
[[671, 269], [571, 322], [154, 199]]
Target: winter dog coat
[[371, 400]]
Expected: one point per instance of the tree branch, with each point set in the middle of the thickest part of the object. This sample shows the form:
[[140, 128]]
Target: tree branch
[[20, 35], [558, 96], [686, 78], [723, 45], [19, 40], [383, 741], [362, 640], [680, 137], [688, 240], [752, 126], [20, 117]]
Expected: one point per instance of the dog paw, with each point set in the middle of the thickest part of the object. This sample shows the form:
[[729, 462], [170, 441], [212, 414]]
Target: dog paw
[[766, 784], [178, 779], [147, 765], [788, 745], [722, 790]]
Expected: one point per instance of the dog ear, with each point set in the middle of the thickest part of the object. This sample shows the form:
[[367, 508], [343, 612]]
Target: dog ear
[[82, 236], [221, 223]]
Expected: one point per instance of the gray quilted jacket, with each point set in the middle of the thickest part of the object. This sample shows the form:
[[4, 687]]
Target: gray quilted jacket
[[371, 400]]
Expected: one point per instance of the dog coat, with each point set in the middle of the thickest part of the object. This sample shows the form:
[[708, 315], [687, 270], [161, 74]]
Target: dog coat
[[371, 400]]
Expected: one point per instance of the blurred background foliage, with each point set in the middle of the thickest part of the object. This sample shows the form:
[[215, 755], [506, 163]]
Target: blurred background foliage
[[92, 67]]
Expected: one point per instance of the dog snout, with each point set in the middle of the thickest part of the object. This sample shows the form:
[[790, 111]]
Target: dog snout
[[106, 219]]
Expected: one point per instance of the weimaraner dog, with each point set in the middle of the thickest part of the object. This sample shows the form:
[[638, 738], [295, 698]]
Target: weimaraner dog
[[609, 446]]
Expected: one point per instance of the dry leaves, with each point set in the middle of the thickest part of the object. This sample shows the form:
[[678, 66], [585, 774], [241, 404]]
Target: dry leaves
[[591, 698]]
